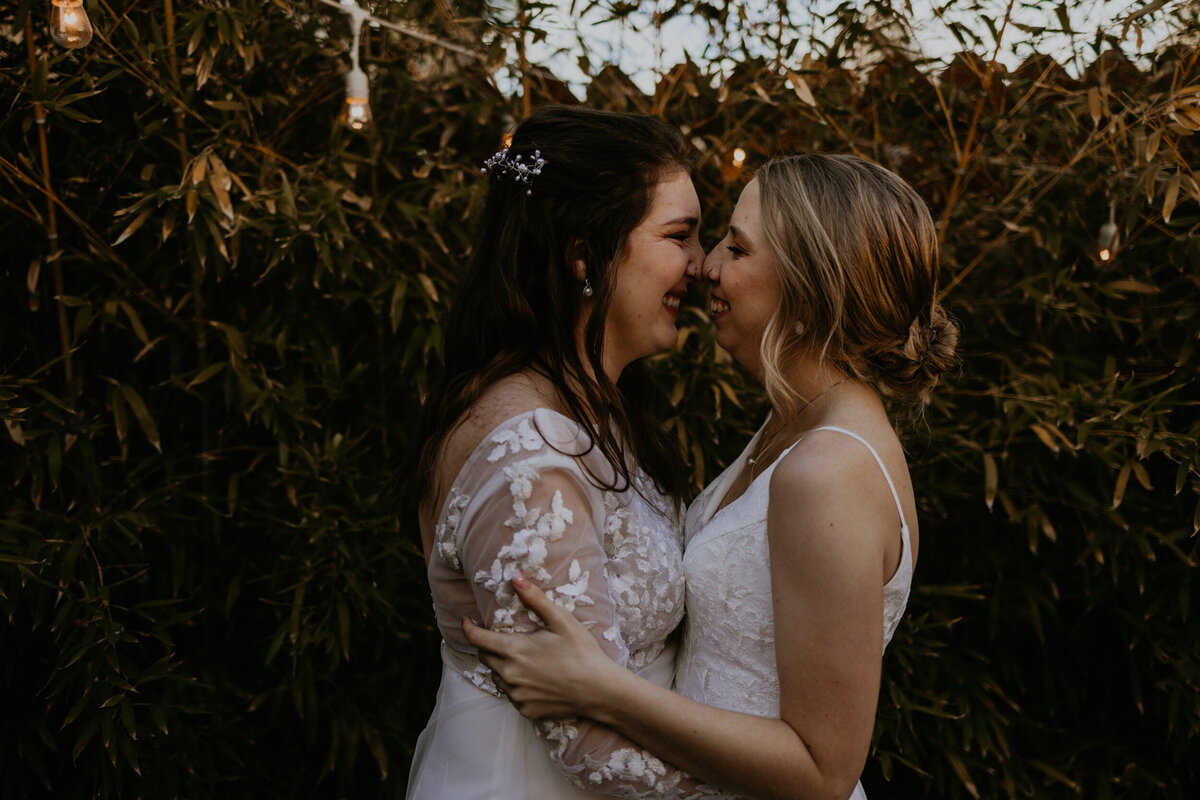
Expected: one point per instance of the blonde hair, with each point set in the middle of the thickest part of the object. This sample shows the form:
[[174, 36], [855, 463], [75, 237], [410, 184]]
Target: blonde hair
[[857, 257]]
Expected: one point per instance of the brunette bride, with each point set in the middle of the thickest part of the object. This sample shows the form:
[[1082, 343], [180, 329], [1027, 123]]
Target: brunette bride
[[799, 557], [540, 456]]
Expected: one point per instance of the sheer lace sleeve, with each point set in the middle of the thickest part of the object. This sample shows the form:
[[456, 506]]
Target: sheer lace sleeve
[[537, 512]]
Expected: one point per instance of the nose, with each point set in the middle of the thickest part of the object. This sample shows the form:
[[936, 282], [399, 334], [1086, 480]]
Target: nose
[[710, 270], [695, 262]]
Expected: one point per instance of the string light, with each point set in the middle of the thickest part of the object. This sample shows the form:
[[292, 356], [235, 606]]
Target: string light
[[739, 156], [1110, 236], [356, 113], [69, 24]]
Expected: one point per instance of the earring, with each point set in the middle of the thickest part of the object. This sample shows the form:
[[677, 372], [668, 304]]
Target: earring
[[798, 328], [587, 288]]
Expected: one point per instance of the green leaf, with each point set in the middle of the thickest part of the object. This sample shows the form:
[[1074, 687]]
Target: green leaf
[[142, 414], [206, 374], [85, 736], [135, 321], [8, 558], [343, 612]]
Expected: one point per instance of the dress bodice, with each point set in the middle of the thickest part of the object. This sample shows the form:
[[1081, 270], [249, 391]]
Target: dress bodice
[[530, 499], [727, 658], [526, 500]]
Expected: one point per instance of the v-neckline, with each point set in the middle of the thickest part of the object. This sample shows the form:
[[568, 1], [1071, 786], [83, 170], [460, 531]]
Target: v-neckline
[[730, 474], [766, 471]]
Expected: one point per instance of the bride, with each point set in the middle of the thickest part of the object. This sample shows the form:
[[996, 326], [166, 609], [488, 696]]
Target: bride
[[541, 458], [799, 557]]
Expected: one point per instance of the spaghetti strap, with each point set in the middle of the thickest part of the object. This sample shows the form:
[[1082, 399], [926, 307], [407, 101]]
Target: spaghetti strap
[[886, 476]]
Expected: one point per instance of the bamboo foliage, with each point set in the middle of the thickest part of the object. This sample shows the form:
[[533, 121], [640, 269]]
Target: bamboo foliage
[[203, 588]]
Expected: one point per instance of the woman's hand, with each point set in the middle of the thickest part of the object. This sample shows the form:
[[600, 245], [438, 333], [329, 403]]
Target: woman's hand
[[553, 672]]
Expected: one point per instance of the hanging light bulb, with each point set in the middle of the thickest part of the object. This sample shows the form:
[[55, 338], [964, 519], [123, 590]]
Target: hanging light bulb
[[69, 24], [739, 156], [356, 114], [1110, 236]]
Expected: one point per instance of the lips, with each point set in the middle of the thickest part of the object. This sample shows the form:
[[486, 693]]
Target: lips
[[671, 301], [717, 306]]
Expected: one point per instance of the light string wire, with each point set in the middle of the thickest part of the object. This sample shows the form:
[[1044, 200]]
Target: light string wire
[[358, 15]]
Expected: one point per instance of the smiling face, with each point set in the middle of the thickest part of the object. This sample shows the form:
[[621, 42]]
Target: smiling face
[[660, 258], [745, 285]]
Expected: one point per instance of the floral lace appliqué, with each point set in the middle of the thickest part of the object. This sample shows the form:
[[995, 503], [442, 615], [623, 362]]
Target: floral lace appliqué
[[527, 552], [510, 441], [444, 535], [481, 677], [570, 595]]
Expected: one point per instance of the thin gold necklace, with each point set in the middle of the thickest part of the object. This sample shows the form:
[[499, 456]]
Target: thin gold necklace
[[752, 461]]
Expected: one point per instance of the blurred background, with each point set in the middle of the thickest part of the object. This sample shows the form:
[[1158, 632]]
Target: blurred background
[[228, 229]]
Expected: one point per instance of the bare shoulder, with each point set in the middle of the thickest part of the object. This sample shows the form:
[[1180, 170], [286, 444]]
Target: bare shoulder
[[506, 398], [829, 500], [824, 463]]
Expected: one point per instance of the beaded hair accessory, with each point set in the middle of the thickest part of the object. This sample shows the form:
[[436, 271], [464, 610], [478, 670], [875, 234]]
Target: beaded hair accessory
[[516, 168]]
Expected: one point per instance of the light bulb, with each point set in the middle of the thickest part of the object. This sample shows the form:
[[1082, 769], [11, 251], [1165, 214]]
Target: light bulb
[[69, 24], [1108, 240], [356, 114], [739, 157], [506, 140]]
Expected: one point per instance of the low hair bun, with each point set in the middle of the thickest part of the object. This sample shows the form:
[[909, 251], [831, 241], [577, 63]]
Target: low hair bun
[[941, 353], [911, 366]]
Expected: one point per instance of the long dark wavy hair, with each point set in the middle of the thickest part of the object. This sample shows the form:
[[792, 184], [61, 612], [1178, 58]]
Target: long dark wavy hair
[[518, 304]]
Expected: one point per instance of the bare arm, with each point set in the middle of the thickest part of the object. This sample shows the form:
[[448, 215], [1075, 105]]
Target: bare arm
[[828, 527]]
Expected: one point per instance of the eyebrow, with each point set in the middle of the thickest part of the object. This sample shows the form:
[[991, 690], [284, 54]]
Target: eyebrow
[[739, 235], [689, 221]]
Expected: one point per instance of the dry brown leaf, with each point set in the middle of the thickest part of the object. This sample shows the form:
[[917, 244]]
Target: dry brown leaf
[[802, 91], [1170, 198], [1094, 105], [133, 226], [1122, 482]]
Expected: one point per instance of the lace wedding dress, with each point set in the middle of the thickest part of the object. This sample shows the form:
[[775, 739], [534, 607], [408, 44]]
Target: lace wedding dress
[[524, 501], [727, 658]]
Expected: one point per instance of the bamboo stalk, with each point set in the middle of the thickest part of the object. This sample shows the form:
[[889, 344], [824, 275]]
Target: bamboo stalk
[[54, 258], [173, 63], [200, 333]]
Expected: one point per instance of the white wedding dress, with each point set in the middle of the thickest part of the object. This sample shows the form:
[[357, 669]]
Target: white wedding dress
[[727, 658], [524, 501]]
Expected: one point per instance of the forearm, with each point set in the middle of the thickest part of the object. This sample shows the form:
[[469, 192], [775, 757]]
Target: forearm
[[742, 753], [561, 672]]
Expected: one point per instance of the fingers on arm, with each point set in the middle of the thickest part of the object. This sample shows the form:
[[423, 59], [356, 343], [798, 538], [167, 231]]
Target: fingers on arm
[[537, 601], [484, 640]]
